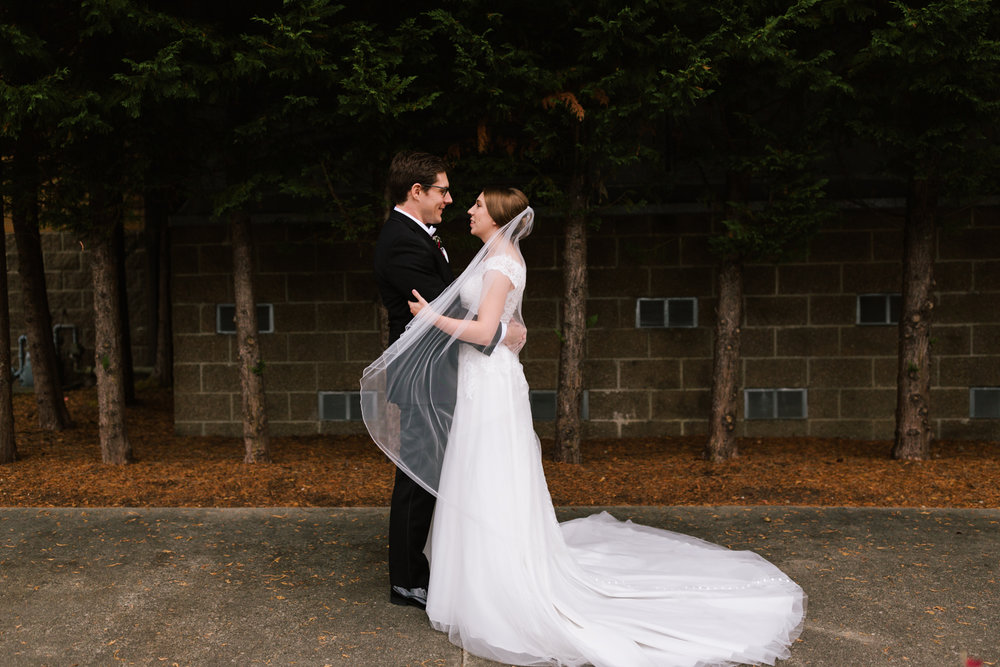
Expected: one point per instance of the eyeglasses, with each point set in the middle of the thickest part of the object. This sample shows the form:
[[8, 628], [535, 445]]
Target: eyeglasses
[[443, 188]]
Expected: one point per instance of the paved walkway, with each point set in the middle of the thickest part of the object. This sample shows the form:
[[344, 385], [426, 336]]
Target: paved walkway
[[308, 586]]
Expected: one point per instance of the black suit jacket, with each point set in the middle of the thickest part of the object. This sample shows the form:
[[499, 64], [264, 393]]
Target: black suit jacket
[[407, 258]]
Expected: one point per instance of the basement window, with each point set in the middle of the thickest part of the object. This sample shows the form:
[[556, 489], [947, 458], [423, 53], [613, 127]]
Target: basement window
[[674, 313], [984, 402], [543, 404], [340, 406], [879, 309], [775, 403], [225, 318]]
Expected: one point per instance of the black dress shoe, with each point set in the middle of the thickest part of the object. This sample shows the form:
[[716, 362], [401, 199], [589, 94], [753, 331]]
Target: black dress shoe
[[413, 597]]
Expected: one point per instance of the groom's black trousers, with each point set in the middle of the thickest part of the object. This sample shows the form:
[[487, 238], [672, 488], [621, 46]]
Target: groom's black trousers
[[409, 524]]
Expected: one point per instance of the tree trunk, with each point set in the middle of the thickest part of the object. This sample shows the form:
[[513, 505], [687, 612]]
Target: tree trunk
[[108, 363], [8, 444], [574, 321], [52, 412], [721, 444], [128, 365], [913, 375], [255, 434], [163, 365]]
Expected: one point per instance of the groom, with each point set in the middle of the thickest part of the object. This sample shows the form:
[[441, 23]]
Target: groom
[[408, 256]]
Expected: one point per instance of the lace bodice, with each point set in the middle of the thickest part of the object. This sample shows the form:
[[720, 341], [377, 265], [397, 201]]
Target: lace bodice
[[509, 266]]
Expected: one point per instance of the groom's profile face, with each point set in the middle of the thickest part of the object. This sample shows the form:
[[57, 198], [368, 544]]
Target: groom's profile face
[[431, 199]]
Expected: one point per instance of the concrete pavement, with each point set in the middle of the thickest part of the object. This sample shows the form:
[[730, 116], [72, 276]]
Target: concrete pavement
[[284, 586]]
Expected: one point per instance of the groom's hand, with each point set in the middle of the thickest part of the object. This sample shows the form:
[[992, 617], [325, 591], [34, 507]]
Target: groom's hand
[[516, 337]]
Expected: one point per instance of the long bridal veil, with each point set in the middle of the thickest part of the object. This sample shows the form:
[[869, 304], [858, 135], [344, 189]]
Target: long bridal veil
[[408, 394]]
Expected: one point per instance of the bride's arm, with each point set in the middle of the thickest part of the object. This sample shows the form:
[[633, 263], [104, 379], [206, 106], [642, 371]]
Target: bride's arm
[[481, 330]]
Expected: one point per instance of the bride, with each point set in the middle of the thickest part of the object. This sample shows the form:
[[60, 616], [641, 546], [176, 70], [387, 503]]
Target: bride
[[509, 582]]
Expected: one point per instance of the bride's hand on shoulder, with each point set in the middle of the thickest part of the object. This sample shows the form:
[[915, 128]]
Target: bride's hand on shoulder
[[418, 305]]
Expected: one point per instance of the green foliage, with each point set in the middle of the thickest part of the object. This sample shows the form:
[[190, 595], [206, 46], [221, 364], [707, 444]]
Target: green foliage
[[925, 91]]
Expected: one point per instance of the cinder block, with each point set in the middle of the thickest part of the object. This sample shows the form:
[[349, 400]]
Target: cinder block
[[760, 280], [860, 429], [542, 344], [287, 258], [809, 279], [202, 289], [364, 346], [861, 341], [346, 317], [887, 246], [539, 253], [276, 403], [692, 281], [344, 376], [764, 311], [285, 377], [695, 427], [776, 373], [630, 280], [649, 373], [650, 429], [756, 342], [601, 429], [823, 403], [953, 276], [220, 378], [969, 429], [696, 373], [985, 339], [322, 286], [867, 403], [317, 347], [695, 251], [540, 313], [213, 258], [842, 372], [273, 347], [201, 407], [361, 286], [187, 378], [872, 277], [203, 348], [951, 340], [651, 251], [969, 243], [681, 405], [617, 344], [680, 343], [840, 246], [600, 374], [602, 251], [303, 406], [295, 317], [606, 313], [621, 405], [957, 308], [775, 428], [541, 374], [885, 371], [808, 341], [969, 371], [987, 276]]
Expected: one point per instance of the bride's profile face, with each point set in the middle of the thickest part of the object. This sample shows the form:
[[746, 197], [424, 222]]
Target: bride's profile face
[[481, 225]]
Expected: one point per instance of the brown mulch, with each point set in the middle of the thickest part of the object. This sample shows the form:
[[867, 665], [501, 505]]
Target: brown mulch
[[65, 469]]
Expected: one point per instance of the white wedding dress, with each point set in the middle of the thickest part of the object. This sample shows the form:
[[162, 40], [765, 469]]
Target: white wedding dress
[[510, 583]]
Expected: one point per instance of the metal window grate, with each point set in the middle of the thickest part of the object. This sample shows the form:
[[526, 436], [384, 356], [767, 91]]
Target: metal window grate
[[225, 318], [775, 403], [672, 313], [984, 402], [340, 406], [879, 309], [543, 404]]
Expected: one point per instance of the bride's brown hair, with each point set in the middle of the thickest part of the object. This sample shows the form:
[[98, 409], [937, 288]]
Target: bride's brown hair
[[503, 204]]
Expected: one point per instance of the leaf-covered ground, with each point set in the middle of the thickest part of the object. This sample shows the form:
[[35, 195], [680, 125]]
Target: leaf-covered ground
[[65, 469]]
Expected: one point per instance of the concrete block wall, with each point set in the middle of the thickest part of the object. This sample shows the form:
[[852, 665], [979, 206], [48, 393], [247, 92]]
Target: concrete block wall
[[70, 293], [800, 326]]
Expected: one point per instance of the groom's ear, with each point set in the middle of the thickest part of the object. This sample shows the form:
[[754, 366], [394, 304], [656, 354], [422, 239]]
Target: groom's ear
[[414, 191]]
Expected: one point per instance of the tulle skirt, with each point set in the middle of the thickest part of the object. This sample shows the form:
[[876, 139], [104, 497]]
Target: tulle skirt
[[512, 584]]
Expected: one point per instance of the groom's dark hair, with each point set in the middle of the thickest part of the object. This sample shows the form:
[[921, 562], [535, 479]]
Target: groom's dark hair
[[409, 167]]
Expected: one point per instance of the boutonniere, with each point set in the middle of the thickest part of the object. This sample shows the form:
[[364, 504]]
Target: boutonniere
[[437, 239]]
